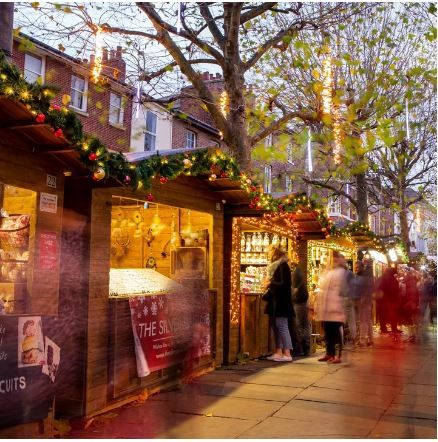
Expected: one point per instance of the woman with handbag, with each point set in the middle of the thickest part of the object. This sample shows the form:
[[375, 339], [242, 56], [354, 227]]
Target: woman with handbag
[[279, 304]]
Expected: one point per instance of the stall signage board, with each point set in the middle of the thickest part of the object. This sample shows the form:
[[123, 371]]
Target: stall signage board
[[48, 250], [169, 329], [48, 202], [26, 389]]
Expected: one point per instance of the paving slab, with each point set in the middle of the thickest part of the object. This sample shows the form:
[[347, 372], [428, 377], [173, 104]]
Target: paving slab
[[249, 391], [419, 390], [233, 407], [359, 420], [430, 401], [396, 427], [412, 410], [330, 381], [330, 395], [277, 428], [299, 380]]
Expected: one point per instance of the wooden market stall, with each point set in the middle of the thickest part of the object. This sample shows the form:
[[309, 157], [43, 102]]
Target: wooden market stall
[[35, 311]]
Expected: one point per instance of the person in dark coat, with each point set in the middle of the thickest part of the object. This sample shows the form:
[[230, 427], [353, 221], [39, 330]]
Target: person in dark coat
[[390, 301], [279, 307], [300, 298]]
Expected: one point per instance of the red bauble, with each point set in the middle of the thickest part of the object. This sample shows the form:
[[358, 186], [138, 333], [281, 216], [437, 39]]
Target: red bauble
[[281, 207], [59, 133], [256, 199], [163, 180], [223, 174], [127, 179], [40, 118], [92, 156], [56, 107], [253, 189], [150, 197], [251, 206]]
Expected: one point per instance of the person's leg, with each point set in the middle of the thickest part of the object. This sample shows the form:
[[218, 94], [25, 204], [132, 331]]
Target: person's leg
[[330, 337], [303, 331], [284, 335], [381, 310], [278, 348]]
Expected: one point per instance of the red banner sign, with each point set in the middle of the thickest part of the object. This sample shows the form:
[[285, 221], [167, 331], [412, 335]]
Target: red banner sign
[[48, 250], [169, 329]]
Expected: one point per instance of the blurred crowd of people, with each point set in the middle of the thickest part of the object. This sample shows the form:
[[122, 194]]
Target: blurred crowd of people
[[344, 305]]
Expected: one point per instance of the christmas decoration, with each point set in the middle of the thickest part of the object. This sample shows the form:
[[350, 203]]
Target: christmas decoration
[[150, 197], [40, 118], [99, 174], [59, 133], [127, 179], [92, 156], [212, 177], [163, 180], [187, 163]]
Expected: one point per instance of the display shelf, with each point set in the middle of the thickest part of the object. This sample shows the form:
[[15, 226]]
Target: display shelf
[[254, 263]]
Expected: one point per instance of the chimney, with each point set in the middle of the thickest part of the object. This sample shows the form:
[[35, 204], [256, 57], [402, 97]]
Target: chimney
[[206, 76], [92, 59], [218, 75], [112, 54], [211, 76], [113, 65], [104, 54], [119, 53]]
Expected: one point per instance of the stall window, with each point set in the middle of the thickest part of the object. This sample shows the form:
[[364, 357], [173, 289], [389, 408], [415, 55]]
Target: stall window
[[79, 86], [150, 137], [33, 68], [190, 139], [17, 247], [268, 179], [116, 109]]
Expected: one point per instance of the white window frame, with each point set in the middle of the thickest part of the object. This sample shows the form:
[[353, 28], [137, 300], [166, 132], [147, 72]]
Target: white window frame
[[267, 185], [121, 111], [215, 143], [334, 205], [289, 154], [149, 133], [288, 184], [269, 140], [188, 141], [84, 93], [41, 74]]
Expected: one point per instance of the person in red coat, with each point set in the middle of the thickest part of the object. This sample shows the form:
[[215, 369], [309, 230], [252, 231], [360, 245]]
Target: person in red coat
[[390, 300]]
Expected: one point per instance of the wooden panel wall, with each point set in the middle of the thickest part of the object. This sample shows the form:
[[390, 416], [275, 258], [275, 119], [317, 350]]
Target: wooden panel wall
[[187, 193]]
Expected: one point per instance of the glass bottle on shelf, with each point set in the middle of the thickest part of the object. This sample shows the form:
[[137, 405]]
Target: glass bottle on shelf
[[275, 240], [248, 243], [283, 242], [253, 242], [266, 243], [259, 242], [242, 243]]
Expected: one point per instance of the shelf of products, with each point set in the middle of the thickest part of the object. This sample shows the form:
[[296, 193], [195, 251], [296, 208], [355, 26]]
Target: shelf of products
[[254, 249]]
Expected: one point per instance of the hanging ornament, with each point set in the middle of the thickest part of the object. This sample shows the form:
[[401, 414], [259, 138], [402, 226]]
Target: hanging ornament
[[56, 107], [97, 67], [92, 156], [164, 180], [59, 133], [150, 197], [127, 179], [187, 163], [40, 118], [99, 174], [212, 177]]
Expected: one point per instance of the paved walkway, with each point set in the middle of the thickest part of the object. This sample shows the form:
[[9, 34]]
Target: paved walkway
[[385, 392]]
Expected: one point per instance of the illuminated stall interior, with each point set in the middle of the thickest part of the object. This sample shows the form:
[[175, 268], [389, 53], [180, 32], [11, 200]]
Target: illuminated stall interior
[[17, 246], [320, 259], [252, 238], [157, 238]]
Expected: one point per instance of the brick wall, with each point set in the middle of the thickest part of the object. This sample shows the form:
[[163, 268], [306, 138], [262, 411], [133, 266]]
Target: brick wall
[[179, 129], [95, 120]]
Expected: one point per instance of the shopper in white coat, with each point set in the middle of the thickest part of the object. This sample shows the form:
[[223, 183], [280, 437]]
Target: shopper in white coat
[[330, 306]]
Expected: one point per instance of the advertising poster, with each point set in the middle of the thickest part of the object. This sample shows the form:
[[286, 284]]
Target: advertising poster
[[30, 341], [168, 329], [52, 356]]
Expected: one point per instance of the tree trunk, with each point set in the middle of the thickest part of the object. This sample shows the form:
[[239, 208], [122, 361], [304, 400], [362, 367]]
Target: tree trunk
[[404, 223], [6, 27], [237, 138], [362, 199]]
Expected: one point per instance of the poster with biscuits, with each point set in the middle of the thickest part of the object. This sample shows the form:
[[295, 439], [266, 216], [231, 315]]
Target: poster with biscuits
[[30, 341]]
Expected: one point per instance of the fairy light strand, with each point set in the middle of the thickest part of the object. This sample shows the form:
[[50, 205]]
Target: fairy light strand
[[97, 66]]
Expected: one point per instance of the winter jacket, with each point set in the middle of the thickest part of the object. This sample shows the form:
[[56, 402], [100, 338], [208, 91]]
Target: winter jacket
[[330, 300], [280, 288], [389, 285], [361, 286], [299, 288]]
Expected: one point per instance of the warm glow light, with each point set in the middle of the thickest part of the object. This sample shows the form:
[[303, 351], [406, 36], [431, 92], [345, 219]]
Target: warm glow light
[[224, 103], [97, 67], [327, 84]]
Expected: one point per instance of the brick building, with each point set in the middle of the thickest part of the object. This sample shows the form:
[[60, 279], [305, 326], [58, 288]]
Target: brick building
[[105, 110]]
